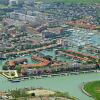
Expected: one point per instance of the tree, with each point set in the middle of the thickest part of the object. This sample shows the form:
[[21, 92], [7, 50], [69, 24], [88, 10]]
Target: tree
[[12, 74], [33, 94], [5, 66], [18, 68]]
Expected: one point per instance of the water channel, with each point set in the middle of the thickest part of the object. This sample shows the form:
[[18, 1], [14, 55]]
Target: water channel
[[70, 84]]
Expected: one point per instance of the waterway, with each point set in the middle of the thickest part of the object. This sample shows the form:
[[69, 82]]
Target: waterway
[[70, 84]]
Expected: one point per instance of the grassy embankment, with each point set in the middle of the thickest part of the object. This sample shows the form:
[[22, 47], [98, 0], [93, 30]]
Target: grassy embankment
[[93, 88]]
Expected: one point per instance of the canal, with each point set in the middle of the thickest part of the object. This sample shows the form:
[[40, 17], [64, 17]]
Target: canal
[[70, 84]]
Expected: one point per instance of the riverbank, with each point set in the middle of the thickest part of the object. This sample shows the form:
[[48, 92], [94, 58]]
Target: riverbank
[[93, 88], [48, 75], [83, 90], [38, 94]]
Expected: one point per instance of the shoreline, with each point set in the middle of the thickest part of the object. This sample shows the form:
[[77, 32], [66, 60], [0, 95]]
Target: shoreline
[[37, 83], [48, 76], [84, 91]]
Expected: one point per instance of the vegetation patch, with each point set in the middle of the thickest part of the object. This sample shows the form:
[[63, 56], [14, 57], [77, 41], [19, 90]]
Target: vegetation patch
[[22, 93], [93, 88]]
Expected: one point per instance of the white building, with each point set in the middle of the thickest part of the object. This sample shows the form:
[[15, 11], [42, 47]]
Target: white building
[[13, 2], [22, 17]]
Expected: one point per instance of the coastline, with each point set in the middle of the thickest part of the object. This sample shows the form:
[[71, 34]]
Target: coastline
[[83, 90]]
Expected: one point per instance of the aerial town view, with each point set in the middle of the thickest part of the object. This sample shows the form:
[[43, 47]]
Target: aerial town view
[[49, 49]]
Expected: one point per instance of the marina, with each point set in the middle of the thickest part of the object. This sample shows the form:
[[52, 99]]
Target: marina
[[50, 46]]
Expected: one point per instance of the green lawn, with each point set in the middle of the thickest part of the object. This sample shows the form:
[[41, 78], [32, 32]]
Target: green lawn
[[93, 88], [73, 1]]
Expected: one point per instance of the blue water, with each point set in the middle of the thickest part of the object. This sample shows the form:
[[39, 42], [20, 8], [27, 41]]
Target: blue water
[[96, 39]]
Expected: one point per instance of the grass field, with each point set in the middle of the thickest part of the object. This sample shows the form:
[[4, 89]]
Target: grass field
[[73, 1], [93, 88]]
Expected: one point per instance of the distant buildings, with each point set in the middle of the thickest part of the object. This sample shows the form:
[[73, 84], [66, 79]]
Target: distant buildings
[[21, 2], [34, 18], [29, 2], [23, 17], [13, 2]]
